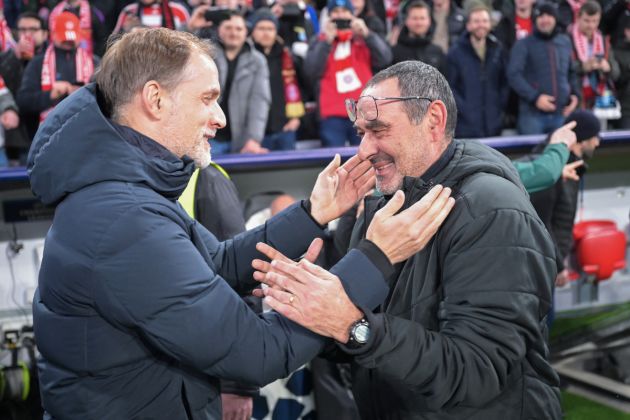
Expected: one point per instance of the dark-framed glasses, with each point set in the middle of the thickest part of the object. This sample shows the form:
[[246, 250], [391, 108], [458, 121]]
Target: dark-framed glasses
[[367, 106]]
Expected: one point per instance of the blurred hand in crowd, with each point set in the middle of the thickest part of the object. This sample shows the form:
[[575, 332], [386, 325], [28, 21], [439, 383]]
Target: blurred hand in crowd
[[564, 134], [198, 20], [569, 172], [9, 119], [252, 146], [573, 103], [546, 103]]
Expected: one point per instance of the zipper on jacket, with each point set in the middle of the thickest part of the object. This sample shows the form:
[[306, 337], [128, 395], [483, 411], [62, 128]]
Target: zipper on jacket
[[554, 71]]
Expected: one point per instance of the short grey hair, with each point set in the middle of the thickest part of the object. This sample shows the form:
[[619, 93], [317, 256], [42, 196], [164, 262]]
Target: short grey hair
[[416, 78]]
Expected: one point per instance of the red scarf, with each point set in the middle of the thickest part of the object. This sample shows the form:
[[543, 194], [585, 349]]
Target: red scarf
[[165, 9], [592, 85], [581, 44], [6, 38], [85, 22], [294, 107], [84, 70]]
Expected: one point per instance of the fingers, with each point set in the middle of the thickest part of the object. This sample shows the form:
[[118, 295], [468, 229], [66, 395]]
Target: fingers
[[317, 271], [570, 125], [366, 180], [260, 265], [359, 170], [576, 164], [394, 204], [282, 308], [438, 219], [281, 296], [270, 252], [425, 203], [313, 250]]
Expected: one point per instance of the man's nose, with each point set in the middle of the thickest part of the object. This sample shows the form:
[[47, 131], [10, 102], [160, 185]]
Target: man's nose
[[217, 118], [367, 147]]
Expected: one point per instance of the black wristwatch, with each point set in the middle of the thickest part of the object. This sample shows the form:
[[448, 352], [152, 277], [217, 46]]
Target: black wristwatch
[[359, 333]]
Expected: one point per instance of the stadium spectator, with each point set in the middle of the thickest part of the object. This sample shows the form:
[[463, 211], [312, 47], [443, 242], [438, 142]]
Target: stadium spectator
[[297, 23], [516, 26], [622, 54], [152, 14], [92, 33], [414, 40], [339, 62], [541, 72], [32, 36], [449, 22], [9, 119], [476, 73]]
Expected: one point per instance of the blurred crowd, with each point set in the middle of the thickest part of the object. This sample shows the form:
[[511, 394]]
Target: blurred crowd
[[287, 67]]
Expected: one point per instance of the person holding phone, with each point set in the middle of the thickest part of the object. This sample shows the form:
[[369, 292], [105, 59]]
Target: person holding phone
[[597, 66], [340, 60], [57, 72]]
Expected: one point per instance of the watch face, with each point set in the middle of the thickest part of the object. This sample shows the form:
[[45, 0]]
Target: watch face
[[361, 333]]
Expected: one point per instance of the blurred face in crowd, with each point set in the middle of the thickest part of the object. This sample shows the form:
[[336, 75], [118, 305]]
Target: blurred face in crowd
[[524, 4], [395, 145], [233, 33], [587, 147], [196, 97], [441, 4], [149, 2], [418, 21], [478, 24], [546, 23], [340, 13], [588, 24], [358, 6], [264, 34], [32, 28]]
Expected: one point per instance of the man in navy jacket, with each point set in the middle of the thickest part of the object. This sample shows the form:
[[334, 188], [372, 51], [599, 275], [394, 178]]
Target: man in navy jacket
[[137, 313]]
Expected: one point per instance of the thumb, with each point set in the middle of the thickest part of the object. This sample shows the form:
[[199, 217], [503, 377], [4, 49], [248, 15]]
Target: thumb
[[576, 164], [392, 207], [314, 249], [333, 165]]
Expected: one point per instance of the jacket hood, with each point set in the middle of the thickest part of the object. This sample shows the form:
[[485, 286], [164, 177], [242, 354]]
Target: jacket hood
[[469, 157], [77, 146]]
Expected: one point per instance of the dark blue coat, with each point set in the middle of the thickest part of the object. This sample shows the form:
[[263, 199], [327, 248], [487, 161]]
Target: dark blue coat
[[135, 314], [538, 65], [480, 88]]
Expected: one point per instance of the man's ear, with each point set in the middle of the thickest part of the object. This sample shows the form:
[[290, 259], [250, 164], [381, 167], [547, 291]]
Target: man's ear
[[152, 99], [437, 115]]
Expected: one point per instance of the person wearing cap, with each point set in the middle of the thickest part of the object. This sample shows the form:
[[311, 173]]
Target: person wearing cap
[[622, 54], [340, 60], [152, 14], [246, 95], [64, 67], [540, 71], [92, 23], [556, 206], [286, 99]]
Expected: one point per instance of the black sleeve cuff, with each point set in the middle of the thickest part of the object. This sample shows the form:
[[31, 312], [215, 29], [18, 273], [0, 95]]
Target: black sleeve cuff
[[306, 205], [378, 258], [236, 388], [376, 332]]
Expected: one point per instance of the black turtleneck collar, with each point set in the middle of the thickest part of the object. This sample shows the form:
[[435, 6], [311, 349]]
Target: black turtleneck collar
[[405, 38], [543, 36], [440, 164]]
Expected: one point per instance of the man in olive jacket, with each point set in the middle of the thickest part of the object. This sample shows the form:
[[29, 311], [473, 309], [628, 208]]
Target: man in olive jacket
[[462, 332]]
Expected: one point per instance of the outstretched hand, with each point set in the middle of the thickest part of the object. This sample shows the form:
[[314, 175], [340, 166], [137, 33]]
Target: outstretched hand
[[339, 187], [401, 235], [312, 297]]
